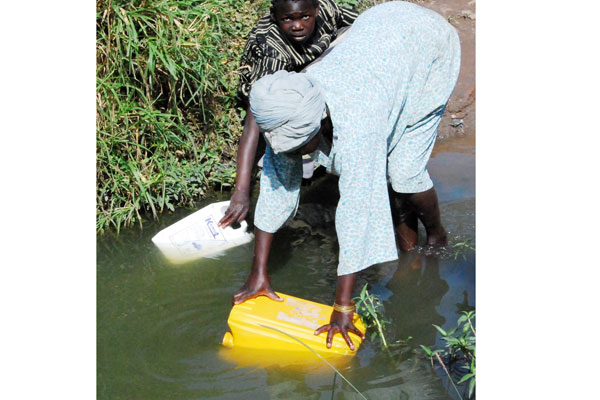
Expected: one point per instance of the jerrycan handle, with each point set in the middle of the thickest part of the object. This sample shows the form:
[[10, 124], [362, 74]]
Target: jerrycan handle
[[239, 225], [236, 225]]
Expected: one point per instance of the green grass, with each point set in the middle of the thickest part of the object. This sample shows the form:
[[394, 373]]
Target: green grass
[[167, 126]]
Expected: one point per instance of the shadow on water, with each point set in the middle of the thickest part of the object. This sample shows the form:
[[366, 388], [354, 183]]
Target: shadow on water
[[159, 325]]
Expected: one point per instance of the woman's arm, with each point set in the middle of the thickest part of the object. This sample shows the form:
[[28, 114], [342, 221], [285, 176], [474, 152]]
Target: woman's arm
[[240, 200], [278, 199], [258, 283]]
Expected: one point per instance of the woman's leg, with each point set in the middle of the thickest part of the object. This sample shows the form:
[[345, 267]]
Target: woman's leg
[[427, 208], [405, 220], [407, 208]]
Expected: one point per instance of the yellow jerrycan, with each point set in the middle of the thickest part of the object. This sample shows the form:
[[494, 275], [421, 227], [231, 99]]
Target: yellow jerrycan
[[266, 328]]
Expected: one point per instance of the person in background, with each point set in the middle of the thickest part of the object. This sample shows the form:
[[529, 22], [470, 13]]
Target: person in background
[[295, 34], [370, 112]]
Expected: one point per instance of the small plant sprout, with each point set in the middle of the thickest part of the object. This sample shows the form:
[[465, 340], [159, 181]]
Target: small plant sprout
[[462, 248], [370, 308]]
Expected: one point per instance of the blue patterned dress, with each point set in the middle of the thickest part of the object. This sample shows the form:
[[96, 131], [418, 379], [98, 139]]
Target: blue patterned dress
[[386, 87]]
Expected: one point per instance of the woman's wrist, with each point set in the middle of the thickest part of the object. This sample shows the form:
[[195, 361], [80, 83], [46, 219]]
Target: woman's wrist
[[349, 308], [242, 190], [343, 295]]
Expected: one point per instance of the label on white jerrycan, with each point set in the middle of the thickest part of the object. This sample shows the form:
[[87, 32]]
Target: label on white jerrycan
[[198, 235]]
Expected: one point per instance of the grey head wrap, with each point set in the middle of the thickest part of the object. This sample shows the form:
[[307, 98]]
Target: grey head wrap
[[288, 108]]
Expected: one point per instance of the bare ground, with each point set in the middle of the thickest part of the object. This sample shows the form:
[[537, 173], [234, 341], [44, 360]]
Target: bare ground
[[459, 120]]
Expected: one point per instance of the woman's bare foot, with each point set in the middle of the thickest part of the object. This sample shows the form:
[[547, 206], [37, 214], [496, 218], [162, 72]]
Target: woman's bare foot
[[438, 238]]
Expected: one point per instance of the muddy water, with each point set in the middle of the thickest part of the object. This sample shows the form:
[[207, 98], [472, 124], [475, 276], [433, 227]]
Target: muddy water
[[159, 325]]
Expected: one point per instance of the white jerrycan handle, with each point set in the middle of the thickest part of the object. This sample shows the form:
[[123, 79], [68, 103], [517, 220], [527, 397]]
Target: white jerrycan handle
[[243, 225]]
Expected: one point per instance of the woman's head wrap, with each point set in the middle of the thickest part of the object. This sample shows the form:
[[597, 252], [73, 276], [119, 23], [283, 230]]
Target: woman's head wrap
[[288, 108]]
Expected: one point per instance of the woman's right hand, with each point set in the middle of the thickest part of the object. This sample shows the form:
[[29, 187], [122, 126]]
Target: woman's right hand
[[237, 210], [340, 323], [256, 285]]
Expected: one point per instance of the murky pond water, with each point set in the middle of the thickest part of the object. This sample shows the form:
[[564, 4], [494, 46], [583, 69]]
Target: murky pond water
[[159, 325]]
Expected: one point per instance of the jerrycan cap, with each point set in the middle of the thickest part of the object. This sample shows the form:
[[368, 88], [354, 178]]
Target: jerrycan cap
[[227, 340]]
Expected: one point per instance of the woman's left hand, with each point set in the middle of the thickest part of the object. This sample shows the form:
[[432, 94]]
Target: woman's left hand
[[340, 323]]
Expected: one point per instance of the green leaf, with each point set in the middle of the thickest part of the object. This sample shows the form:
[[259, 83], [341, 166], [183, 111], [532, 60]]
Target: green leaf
[[426, 349], [465, 328], [371, 310], [469, 314], [465, 378], [471, 386], [363, 291], [440, 330]]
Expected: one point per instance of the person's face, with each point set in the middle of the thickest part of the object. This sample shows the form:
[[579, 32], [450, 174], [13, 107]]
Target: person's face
[[296, 19], [325, 130], [309, 147]]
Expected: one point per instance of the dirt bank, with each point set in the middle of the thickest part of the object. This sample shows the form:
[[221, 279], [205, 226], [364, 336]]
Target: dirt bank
[[459, 120]]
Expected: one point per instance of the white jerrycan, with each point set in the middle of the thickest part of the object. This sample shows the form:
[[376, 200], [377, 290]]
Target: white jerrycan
[[198, 235]]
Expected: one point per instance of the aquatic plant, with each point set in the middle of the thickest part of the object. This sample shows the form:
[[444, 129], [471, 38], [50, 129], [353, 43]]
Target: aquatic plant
[[370, 309], [462, 248], [459, 354]]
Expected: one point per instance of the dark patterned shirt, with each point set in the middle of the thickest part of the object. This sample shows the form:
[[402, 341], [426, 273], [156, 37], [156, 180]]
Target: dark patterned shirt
[[268, 50]]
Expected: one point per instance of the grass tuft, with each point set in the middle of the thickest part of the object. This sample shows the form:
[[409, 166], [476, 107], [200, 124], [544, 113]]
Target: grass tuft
[[166, 123]]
